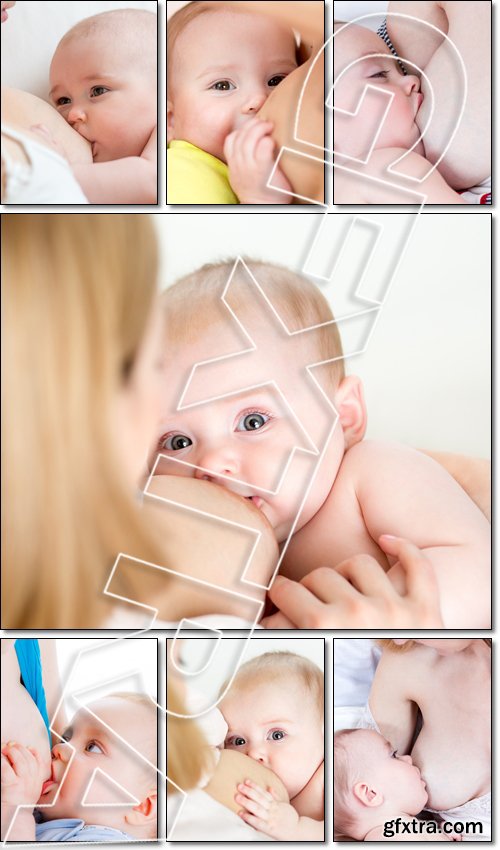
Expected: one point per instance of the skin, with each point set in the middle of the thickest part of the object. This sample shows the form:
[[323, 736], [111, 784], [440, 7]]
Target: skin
[[386, 785], [306, 83], [22, 724], [224, 66], [429, 50], [94, 746], [399, 134], [282, 731], [347, 510], [450, 682], [353, 136], [291, 745], [115, 110]]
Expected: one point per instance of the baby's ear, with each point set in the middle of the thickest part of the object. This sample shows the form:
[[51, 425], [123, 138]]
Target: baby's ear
[[367, 796], [170, 121], [349, 400], [146, 812]]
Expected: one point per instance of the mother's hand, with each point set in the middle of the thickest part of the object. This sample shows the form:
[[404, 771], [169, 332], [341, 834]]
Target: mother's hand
[[359, 594]]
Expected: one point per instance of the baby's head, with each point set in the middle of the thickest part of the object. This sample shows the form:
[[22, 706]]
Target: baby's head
[[92, 747], [443, 646], [246, 440], [371, 783], [222, 64], [274, 713], [103, 81], [353, 135]]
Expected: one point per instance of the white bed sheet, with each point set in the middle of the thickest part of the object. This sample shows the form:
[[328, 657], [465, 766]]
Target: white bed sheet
[[201, 817]]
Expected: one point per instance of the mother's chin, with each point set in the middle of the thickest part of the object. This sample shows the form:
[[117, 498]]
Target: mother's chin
[[23, 110]]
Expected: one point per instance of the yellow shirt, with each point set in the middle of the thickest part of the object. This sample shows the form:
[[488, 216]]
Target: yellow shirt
[[196, 177]]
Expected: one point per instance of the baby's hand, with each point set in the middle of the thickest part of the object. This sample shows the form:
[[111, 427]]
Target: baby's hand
[[22, 775], [264, 812], [249, 154]]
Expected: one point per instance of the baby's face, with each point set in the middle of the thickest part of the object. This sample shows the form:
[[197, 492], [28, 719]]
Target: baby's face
[[96, 748], [353, 135], [97, 89], [395, 777], [224, 67], [246, 440], [277, 724]]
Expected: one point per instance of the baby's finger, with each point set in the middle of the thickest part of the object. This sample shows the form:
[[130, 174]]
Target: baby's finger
[[8, 776], [253, 820], [277, 621], [253, 806], [297, 603], [264, 151], [253, 134], [255, 792], [367, 576]]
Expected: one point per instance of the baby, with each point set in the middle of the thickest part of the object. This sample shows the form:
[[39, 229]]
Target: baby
[[222, 64], [103, 82], [376, 792], [274, 713], [67, 814], [419, 37], [254, 420]]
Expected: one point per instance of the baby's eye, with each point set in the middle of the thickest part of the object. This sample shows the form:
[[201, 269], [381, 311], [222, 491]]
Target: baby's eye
[[383, 74], [223, 85], [394, 755], [63, 101], [235, 741], [175, 442], [277, 735], [252, 421], [276, 80], [93, 747], [97, 91]]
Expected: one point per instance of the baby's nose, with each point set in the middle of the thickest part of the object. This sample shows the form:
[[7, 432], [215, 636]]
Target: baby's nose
[[411, 83], [76, 115], [257, 753], [407, 759], [217, 460], [254, 101], [62, 752]]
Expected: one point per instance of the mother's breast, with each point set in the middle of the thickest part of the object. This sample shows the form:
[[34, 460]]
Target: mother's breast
[[306, 86], [21, 110]]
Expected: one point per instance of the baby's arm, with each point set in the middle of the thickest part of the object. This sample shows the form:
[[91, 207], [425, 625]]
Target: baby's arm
[[264, 812], [468, 25], [22, 780], [368, 188], [130, 180], [403, 492], [249, 154]]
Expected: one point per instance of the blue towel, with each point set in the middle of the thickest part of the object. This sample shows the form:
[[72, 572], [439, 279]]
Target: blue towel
[[30, 665]]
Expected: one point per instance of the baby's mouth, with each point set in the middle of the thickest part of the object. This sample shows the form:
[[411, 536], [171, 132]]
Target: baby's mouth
[[256, 500]]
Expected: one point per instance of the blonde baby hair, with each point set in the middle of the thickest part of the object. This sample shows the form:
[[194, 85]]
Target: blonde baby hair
[[279, 665], [194, 303], [136, 29], [78, 293]]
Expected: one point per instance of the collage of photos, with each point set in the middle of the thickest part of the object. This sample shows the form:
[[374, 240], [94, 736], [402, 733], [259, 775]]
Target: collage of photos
[[247, 507]]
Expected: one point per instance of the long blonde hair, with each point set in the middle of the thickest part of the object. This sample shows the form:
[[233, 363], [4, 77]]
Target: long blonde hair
[[78, 292], [189, 757]]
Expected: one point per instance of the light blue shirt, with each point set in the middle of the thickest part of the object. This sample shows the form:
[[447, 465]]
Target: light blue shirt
[[73, 829]]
